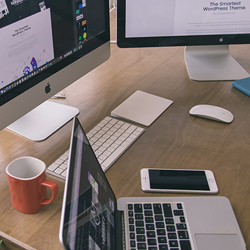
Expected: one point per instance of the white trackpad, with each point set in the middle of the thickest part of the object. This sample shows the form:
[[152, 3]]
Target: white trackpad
[[217, 241]]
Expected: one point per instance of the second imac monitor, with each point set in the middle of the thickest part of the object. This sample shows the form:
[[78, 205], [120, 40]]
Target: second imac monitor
[[206, 28]]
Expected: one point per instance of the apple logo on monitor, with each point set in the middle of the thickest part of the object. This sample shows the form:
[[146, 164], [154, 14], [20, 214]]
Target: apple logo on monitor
[[47, 88]]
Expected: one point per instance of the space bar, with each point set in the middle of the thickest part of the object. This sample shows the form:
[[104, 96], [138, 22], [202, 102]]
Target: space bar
[[107, 163]]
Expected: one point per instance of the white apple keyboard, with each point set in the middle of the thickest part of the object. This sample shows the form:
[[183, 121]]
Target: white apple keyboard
[[109, 139]]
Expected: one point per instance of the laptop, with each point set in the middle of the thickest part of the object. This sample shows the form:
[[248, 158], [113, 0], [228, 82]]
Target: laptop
[[92, 218]]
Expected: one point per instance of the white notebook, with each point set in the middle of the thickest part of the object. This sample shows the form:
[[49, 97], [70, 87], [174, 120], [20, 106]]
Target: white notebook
[[142, 108]]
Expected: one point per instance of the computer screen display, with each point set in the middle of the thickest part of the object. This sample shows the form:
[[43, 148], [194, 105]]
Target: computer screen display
[[39, 39], [89, 205], [143, 23], [182, 22]]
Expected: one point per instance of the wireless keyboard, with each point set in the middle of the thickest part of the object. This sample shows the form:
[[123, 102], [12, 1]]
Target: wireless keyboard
[[109, 140]]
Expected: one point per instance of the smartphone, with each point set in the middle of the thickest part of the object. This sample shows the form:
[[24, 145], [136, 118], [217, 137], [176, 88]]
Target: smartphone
[[178, 181]]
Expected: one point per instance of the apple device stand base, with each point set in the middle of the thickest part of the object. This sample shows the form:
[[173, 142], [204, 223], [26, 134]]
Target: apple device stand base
[[43, 121], [212, 63]]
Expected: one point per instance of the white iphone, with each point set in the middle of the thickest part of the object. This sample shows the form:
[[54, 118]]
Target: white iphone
[[178, 181]]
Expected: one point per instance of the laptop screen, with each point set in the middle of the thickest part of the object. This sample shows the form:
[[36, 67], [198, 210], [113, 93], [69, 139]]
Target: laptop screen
[[89, 205]]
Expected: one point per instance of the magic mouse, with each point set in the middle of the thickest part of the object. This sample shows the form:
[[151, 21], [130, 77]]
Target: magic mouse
[[212, 112]]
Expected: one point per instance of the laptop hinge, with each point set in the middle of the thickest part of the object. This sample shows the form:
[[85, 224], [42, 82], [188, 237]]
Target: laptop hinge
[[120, 230]]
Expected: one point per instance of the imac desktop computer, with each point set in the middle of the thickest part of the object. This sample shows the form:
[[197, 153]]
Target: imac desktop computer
[[46, 45], [206, 28]]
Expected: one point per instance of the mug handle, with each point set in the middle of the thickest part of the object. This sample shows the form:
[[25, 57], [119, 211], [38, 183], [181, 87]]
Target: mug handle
[[53, 186]]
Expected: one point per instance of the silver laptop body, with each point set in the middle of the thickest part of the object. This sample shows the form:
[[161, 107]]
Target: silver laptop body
[[92, 218]]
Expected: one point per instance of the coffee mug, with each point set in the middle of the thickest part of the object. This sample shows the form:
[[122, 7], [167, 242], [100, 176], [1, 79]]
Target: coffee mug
[[28, 184]]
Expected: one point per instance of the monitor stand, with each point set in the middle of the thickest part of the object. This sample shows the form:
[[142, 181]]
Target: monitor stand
[[212, 63], [43, 121]]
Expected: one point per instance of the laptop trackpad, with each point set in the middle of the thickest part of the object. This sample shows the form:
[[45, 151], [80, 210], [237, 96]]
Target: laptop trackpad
[[217, 241]]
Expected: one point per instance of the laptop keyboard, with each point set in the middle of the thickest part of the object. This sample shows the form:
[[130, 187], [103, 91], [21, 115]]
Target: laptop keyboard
[[158, 226], [109, 140]]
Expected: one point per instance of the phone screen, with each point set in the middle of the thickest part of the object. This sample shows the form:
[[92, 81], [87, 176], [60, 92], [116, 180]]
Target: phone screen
[[178, 179]]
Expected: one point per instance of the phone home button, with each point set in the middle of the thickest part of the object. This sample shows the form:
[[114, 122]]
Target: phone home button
[[211, 180]]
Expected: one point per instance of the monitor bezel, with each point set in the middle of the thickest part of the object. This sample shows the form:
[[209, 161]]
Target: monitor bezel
[[125, 42]]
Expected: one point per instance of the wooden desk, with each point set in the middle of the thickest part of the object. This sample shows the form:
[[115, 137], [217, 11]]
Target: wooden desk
[[174, 140]]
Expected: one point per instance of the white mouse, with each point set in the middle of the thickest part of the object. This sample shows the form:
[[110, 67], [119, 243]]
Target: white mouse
[[212, 112]]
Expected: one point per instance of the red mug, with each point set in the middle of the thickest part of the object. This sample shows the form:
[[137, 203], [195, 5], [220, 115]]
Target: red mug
[[28, 184]]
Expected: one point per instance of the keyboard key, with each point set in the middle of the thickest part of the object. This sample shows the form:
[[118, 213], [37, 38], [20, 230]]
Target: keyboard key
[[141, 246], [131, 220], [138, 208], [157, 208], [58, 170], [53, 166], [183, 235], [139, 223], [162, 240], [130, 213], [169, 221], [141, 238], [182, 219], [140, 230], [178, 212], [139, 216], [167, 210], [147, 206], [130, 206], [163, 247], [173, 243], [64, 173], [152, 248], [181, 226], [132, 236], [132, 243], [158, 218], [149, 219], [148, 213], [171, 228], [64, 157], [131, 129], [161, 232], [152, 242], [150, 226], [112, 157], [150, 234], [59, 161], [159, 225], [185, 245], [179, 206], [172, 235]]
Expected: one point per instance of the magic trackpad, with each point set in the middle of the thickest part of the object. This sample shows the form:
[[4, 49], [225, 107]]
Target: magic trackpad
[[218, 241]]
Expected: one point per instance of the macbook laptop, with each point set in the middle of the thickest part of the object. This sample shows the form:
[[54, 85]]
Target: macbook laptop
[[92, 218]]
